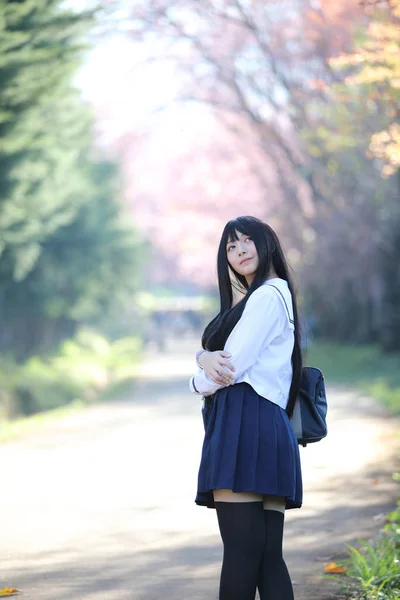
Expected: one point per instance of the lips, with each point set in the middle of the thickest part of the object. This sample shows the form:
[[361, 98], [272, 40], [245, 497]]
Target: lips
[[245, 261]]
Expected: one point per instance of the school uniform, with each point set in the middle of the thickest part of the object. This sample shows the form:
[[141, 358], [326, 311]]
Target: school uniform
[[249, 443]]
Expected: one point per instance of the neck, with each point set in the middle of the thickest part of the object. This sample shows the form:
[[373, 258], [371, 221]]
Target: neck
[[250, 278], [272, 275]]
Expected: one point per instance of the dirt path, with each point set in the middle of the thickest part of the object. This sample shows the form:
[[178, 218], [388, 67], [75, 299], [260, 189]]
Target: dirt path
[[99, 506]]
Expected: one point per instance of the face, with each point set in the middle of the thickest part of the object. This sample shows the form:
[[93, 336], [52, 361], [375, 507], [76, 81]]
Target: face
[[242, 256]]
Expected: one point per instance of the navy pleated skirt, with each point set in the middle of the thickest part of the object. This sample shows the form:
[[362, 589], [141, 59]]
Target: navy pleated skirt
[[249, 446]]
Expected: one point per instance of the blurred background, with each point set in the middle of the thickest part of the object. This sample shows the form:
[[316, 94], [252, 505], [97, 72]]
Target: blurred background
[[131, 132]]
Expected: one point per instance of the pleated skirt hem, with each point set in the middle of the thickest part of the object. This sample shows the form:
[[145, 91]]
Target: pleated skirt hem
[[249, 446]]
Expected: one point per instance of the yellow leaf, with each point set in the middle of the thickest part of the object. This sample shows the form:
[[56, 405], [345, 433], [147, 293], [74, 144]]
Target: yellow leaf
[[7, 591], [334, 568]]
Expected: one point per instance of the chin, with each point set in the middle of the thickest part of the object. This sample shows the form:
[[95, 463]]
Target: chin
[[247, 272]]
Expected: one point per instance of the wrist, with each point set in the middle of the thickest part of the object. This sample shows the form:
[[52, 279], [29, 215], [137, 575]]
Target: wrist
[[198, 358], [194, 386]]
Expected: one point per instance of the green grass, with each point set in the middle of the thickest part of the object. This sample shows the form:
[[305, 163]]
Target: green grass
[[364, 367], [373, 569], [16, 427], [22, 425], [87, 370]]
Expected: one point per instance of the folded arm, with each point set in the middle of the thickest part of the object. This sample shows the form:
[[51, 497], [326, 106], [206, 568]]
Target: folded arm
[[263, 319]]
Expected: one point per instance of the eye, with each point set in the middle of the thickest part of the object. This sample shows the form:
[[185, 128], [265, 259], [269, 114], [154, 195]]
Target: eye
[[230, 247], [249, 238]]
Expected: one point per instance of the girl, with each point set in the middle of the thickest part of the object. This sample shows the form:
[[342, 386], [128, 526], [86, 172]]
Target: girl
[[250, 465]]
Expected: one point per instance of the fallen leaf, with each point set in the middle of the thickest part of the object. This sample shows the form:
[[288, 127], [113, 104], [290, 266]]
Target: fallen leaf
[[7, 591], [334, 568]]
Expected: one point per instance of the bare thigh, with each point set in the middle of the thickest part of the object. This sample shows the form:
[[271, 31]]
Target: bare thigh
[[229, 496], [274, 503], [270, 502]]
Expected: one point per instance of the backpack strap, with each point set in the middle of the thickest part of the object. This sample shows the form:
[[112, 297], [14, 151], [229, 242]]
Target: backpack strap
[[283, 298]]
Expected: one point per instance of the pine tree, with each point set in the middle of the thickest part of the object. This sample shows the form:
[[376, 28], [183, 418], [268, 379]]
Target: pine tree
[[44, 131], [64, 254]]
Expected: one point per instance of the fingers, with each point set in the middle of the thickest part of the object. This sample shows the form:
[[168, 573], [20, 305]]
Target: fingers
[[222, 378], [227, 364], [217, 378]]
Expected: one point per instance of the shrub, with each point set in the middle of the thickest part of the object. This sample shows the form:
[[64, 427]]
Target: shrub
[[84, 367]]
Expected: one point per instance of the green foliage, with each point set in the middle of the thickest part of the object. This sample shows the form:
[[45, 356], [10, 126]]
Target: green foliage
[[44, 129], [69, 255], [11, 429], [374, 70], [352, 266], [374, 568], [365, 367], [84, 368], [90, 264], [86, 271]]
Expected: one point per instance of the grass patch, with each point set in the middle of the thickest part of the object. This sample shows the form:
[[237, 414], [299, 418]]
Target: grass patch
[[373, 569], [16, 427], [364, 367], [87, 370], [12, 429]]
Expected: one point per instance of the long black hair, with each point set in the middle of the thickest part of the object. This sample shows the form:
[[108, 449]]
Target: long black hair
[[270, 256]]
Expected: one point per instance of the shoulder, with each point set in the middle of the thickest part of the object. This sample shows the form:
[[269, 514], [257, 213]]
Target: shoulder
[[263, 298]]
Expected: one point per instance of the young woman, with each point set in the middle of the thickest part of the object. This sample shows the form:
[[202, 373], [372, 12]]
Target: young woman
[[249, 373]]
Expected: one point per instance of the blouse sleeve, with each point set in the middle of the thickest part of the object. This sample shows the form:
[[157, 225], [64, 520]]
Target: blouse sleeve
[[263, 320]]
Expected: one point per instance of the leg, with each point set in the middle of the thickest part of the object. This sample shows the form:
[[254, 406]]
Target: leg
[[241, 523], [274, 581], [274, 503], [229, 496]]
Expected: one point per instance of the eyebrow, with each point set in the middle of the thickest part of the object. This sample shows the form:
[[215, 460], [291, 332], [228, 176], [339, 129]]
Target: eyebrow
[[233, 241]]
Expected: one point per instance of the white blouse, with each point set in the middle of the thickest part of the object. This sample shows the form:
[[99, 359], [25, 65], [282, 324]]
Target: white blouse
[[261, 345]]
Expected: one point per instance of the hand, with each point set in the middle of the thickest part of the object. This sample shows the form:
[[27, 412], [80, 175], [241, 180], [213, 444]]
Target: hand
[[214, 365]]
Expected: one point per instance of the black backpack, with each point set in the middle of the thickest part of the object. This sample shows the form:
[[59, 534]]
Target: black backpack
[[309, 414]]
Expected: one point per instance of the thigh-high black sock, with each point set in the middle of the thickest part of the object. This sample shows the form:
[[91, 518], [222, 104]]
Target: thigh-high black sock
[[274, 580], [242, 531]]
